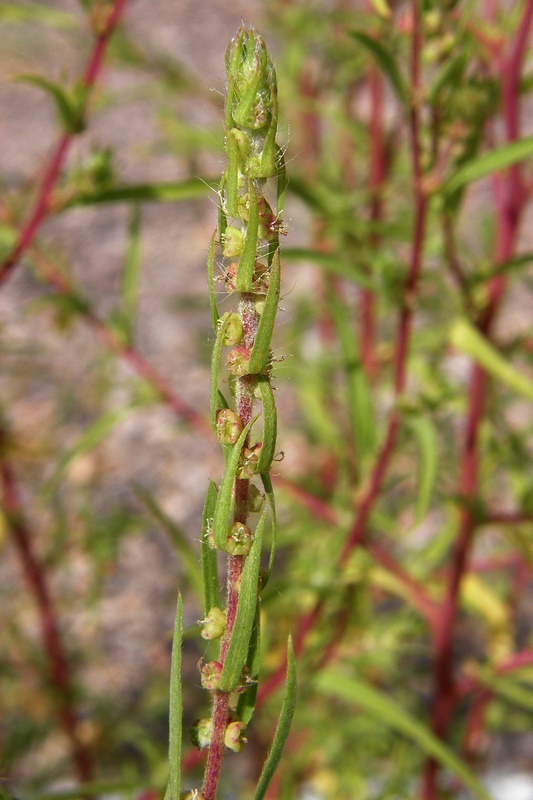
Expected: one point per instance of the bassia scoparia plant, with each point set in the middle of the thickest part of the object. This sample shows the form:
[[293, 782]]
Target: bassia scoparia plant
[[236, 510]]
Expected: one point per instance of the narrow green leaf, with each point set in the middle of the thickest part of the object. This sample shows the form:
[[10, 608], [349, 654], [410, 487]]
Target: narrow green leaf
[[245, 271], [385, 61], [178, 538], [283, 727], [503, 268], [329, 262], [450, 74], [392, 715], [225, 499], [242, 630], [176, 709], [426, 437], [37, 12], [261, 350], [506, 688], [211, 280], [168, 192], [269, 491], [359, 397], [232, 173], [282, 180], [270, 425], [211, 585], [131, 273], [487, 163], [469, 340], [90, 439], [69, 107], [247, 700], [215, 368]]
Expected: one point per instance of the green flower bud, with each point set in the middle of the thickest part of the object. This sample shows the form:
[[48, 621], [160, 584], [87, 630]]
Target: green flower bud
[[210, 675], [238, 361], [201, 732], [229, 426], [233, 332], [240, 539], [233, 242], [252, 87], [214, 625], [235, 736]]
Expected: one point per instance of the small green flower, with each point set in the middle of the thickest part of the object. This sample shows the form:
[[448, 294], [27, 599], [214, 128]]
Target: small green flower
[[235, 737], [210, 675], [233, 332], [240, 539], [232, 241], [238, 361], [229, 426], [214, 625], [201, 732]]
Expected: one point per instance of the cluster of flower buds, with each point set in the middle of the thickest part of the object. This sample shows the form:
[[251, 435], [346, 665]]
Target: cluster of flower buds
[[248, 235]]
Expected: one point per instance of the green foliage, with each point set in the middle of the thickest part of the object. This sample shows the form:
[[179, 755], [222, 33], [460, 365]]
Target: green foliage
[[397, 384]]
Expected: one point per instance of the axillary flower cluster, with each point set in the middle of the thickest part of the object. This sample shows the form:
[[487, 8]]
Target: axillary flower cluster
[[244, 256]]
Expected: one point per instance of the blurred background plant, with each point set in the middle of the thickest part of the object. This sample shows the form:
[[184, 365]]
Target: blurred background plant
[[405, 396]]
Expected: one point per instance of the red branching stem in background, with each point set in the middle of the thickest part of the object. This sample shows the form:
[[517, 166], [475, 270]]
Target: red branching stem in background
[[509, 201], [35, 575], [42, 202], [105, 333], [371, 493]]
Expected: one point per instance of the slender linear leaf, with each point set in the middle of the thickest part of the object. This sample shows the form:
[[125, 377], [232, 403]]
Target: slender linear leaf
[[359, 397], [487, 163], [211, 280], [131, 274], [269, 491], [215, 368], [427, 441], [232, 173], [176, 709], [261, 350], [179, 540], [329, 262], [90, 439], [270, 425], [283, 727], [225, 499], [393, 716], [247, 700], [168, 192], [385, 60], [70, 105], [211, 585], [506, 688], [282, 179], [246, 609], [469, 340], [503, 268], [37, 12]]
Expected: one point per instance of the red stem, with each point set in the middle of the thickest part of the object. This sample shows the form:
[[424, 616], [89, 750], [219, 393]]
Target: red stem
[[42, 203], [367, 501], [36, 578], [130, 354], [509, 207]]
